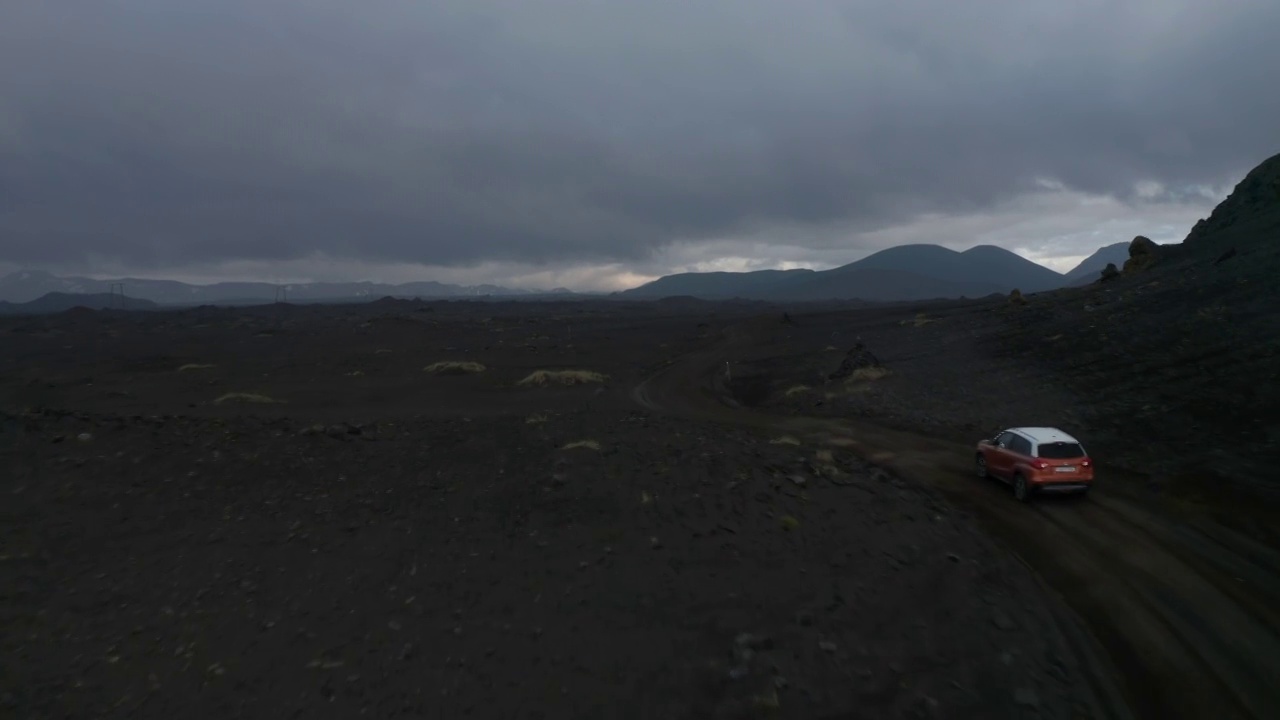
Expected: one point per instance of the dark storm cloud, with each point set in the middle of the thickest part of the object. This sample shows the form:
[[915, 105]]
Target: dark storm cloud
[[169, 132]]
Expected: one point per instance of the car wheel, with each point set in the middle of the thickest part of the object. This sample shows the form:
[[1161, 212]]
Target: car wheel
[[982, 466], [1021, 490]]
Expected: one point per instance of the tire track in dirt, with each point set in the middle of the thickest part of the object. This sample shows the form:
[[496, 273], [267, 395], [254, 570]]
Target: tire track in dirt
[[1207, 642], [1179, 586], [1187, 635]]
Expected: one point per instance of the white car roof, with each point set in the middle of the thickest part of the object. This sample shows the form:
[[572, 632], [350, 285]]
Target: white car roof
[[1040, 435]]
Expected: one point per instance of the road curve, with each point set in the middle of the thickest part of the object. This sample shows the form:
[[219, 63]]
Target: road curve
[[1185, 615]]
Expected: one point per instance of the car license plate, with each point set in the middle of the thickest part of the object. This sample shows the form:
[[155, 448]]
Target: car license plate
[[1064, 468]]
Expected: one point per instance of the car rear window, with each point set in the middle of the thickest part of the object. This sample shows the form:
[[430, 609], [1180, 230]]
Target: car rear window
[[1060, 450]]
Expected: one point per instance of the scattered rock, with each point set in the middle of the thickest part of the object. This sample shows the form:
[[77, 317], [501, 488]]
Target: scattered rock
[[858, 358], [753, 642], [342, 431], [1016, 298], [84, 437]]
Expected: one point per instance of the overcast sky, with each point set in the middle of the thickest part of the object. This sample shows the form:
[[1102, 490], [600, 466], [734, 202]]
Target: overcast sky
[[596, 144]]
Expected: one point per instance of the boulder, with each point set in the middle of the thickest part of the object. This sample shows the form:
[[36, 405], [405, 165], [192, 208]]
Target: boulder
[[1142, 254], [1110, 272], [1016, 298], [858, 358]]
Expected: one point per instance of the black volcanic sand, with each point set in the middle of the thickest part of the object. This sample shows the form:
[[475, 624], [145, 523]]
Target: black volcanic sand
[[388, 542]]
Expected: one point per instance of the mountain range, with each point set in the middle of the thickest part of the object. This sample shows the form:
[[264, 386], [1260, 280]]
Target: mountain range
[[906, 272], [22, 287]]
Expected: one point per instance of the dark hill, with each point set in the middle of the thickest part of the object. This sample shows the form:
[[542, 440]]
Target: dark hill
[[986, 264], [907, 272], [1250, 214], [56, 302]]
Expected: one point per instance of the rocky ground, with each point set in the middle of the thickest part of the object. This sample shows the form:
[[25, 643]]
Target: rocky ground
[[383, 541]]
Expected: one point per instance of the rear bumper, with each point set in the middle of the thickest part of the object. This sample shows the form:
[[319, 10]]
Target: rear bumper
[[1062, 487], [1054, 482]]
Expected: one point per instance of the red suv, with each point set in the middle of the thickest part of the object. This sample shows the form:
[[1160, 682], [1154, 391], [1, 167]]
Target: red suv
[[1036, 459]]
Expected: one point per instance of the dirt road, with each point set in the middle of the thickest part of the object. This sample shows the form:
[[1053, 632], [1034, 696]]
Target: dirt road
[[1185, 612]]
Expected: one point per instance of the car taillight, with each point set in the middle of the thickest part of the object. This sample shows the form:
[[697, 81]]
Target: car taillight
[[1086, 462], [1040, 465]]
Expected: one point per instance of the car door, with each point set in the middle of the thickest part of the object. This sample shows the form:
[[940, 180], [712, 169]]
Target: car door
[[1018, 452], [999, 460]]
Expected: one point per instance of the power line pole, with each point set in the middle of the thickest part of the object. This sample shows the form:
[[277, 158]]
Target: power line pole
[[116, 290]]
